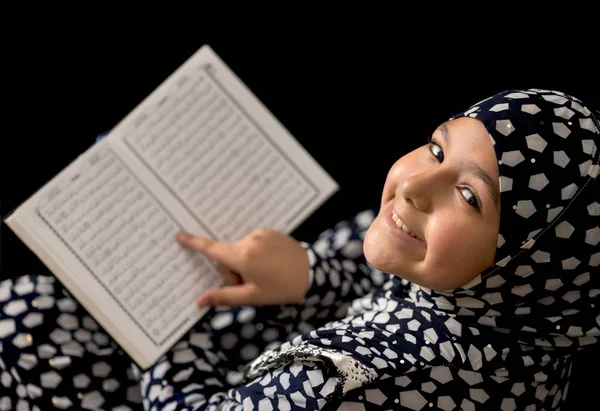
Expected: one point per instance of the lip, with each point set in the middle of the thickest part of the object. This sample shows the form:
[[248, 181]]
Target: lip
[[398, 232]]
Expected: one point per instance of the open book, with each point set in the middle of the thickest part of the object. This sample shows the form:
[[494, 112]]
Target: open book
[[202, 154]]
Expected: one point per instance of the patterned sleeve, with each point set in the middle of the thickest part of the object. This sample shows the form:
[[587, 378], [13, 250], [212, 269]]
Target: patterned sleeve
[[300, 385], [338, 269]]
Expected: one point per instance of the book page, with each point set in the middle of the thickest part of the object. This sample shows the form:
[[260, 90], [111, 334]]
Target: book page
[[125, 238], [111, 241], [221, 154], [234, 178], [201, 154]]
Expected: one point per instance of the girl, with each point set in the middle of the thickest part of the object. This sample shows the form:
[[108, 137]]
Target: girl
[[470, 288]]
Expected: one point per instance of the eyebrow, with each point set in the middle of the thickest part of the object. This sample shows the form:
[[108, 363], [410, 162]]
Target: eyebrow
[[491, 187]]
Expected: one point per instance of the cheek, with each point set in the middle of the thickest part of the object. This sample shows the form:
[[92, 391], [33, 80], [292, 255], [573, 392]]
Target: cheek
[[397, 175], [446, 240], [455, 244]]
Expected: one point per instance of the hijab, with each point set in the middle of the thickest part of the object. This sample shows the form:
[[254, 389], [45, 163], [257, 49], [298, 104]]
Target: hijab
[[521, 318]]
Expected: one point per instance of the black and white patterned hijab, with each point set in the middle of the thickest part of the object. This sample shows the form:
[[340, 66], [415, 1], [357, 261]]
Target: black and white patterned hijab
[[535, 306], [544, 285]]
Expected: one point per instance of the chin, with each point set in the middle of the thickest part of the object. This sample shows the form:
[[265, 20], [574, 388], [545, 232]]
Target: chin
[[372, 249], [382, 262]]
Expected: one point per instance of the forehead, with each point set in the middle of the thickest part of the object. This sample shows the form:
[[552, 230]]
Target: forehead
[[469, 138]]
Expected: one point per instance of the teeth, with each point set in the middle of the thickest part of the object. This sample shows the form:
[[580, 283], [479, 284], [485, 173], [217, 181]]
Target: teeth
[[403, 226]]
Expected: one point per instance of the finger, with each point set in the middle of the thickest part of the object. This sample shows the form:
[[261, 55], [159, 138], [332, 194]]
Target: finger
[[230, 296], [230, 276], [217, 250]]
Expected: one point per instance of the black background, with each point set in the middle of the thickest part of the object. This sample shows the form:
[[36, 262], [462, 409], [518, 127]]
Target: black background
[[355, 98]]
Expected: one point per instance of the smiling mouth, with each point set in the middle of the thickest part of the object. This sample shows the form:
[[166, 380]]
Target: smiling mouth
[[403, 226]]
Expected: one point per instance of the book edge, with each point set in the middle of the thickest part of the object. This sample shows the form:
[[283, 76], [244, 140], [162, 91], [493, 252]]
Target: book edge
[[26, 235]]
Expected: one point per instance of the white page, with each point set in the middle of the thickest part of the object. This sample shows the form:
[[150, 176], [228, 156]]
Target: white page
[[224, 156], [111, 242], [111, 216]]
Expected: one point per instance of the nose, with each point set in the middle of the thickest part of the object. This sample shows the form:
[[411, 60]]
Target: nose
[[424, 189]]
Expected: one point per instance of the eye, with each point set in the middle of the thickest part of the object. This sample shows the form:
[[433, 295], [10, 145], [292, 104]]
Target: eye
[[467, 194], [470, 198], [436, 150]]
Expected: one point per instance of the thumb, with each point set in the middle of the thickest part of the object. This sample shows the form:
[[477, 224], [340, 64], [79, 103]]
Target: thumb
[[231, 296]]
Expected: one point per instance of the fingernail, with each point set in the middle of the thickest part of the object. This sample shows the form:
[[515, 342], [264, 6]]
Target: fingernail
[[182, 236], [202, 301]]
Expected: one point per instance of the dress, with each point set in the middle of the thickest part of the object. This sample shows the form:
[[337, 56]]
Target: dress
[[53, 352], [362, 339]]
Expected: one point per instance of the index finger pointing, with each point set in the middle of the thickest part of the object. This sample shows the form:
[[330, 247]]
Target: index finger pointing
[[217, 250]]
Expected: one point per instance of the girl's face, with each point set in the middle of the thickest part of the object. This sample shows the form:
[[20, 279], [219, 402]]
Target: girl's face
[[446, 194]]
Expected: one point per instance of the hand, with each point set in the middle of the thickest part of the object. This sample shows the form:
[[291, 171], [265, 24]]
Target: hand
[[266, 267]]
